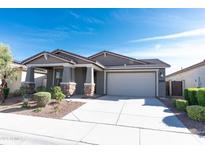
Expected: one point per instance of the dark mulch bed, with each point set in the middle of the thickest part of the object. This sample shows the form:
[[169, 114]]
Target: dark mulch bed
[[51, 110], [194, 126]]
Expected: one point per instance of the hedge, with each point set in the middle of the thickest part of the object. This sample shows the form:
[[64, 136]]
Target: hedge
[[42, 98], [196, 112], [192, 96], [186, 94], [181, 104], [174, 103], [201, 96]]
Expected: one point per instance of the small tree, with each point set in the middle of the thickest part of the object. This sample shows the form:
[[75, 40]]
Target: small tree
[[6, 70]]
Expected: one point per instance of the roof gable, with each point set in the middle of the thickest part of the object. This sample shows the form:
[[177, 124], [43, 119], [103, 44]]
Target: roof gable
[[74, 57], [113, 59], [44, 58]]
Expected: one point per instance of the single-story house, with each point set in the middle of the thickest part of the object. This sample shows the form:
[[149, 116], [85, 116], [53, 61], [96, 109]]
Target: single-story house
[[190, 77], [102, 73], [21, 70]]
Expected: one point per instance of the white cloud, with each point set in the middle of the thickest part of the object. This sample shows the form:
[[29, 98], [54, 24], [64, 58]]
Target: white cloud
[[93, 20], [87, 19], [183, 54], [191, 33], [74, 14]]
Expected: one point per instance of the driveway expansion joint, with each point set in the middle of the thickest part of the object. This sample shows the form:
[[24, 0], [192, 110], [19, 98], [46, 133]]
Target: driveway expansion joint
[[130, 126], [120, 113], [81, 140]]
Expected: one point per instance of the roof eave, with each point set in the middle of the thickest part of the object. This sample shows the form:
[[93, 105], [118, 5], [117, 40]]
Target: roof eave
[[26, 61], [188, 68], [117, 55], [78, 56]]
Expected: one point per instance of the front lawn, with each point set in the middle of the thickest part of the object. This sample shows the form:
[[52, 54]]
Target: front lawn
[[52, 110]]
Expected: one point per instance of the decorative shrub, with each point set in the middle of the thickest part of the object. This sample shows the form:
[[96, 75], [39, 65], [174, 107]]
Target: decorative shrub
[[60, 96], [174, 103], [201, 96], [196, 112], [41, 89], [54, 91], [42, 98], [192, 96], [6, 92], [181, 104], [186, 97]]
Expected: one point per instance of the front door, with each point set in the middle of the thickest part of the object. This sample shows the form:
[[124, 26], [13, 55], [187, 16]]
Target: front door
[[58, 77]]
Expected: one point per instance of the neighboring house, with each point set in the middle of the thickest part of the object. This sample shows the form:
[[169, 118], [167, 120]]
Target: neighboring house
[[190, 77], [40, 77], [103, 73]]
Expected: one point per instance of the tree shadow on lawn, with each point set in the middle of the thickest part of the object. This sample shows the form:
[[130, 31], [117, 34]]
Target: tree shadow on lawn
[[13, 110], [18, 108]]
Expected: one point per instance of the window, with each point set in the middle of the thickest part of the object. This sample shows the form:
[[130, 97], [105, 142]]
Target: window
[[58, 77]]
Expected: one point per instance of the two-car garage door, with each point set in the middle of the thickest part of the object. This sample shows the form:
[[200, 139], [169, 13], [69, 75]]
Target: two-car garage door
[[140, 84]]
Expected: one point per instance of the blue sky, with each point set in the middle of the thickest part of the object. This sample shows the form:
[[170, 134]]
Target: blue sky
[[176, 36]]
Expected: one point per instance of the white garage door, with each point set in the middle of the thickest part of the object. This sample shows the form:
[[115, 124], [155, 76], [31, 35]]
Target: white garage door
[[131, 84]]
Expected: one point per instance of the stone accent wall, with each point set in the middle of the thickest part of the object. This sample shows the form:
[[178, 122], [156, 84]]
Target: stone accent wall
[[89, 89], [68, 88], [30, 87]]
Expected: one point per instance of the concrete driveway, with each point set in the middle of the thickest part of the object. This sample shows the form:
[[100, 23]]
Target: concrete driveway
[[106, 120], [134, 120]]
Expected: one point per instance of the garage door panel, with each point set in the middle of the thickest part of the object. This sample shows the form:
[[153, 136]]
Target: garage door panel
[[131, 84]]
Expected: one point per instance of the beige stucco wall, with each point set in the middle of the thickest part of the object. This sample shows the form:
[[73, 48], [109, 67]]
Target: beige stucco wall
[[16, 84], [191, 77], [40, 79]]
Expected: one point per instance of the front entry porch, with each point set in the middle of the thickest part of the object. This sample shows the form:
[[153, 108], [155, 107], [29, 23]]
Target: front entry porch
[[72, 79]]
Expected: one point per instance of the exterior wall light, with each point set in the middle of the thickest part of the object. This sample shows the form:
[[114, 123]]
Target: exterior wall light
[[161, 74]]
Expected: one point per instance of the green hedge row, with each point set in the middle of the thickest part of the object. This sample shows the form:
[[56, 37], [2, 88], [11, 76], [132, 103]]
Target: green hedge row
[[201, 96], [195, 96], [194, 103]]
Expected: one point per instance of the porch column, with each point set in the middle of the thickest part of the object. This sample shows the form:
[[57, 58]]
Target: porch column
[[50, 78], [89, 85], [29, 84], [73, 75], [68, 87], [170, 88]]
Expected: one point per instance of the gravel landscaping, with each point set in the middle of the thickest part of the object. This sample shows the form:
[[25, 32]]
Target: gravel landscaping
[[194, 126], [51, 110]]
